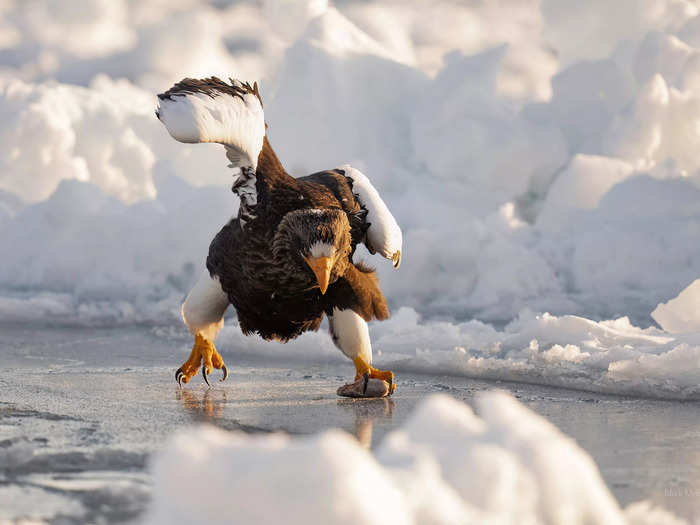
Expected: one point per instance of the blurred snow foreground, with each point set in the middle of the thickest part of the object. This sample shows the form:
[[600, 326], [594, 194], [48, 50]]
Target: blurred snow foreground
[[445, 465], [540, 155]]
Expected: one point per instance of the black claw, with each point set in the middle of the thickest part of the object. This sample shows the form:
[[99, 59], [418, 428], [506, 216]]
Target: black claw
[[178, 376], [391, 385], [364, 387], [225, 370], [204, 374]]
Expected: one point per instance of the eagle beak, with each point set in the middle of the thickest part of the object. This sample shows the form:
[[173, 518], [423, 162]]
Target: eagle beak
[[322, 270]]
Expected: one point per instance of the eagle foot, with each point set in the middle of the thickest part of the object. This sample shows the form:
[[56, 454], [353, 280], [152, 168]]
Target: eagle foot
[[362, 368], [205, 353], [365, 387], [369, 382]]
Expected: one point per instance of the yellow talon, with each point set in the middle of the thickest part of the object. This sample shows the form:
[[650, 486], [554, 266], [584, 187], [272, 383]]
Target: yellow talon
[[205, 353]]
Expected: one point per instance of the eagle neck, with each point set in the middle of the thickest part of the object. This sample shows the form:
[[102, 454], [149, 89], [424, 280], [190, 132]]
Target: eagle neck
[[269, 165]]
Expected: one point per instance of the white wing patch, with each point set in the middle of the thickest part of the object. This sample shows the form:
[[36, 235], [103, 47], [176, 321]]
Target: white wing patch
[[235, 121], [384, 235]]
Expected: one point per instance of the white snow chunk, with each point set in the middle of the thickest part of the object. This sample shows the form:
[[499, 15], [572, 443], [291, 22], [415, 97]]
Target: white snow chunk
[[682, 313], [444, 465], [326, 478], [580, 186]]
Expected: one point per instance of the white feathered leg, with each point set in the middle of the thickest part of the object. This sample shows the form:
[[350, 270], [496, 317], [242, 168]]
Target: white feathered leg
[[204, 308], [203, 313], [351, 335]]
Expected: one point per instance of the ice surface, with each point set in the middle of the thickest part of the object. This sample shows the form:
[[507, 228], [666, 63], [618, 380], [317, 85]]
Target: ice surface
[[529, 172], [445, 464], [83, 409]]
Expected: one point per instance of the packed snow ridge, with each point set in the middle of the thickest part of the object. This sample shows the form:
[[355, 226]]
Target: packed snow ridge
[[445, 465], [567, 351], [540, 157]]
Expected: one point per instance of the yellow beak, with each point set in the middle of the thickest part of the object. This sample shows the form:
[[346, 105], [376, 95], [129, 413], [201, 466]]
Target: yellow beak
[[322, 270]]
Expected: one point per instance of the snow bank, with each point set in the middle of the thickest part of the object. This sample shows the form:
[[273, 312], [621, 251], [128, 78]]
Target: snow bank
[[568, 351], [444, 465], [529, 172], [511, 159], [97, 260], [325, 479], [153, 43], [106, 135]]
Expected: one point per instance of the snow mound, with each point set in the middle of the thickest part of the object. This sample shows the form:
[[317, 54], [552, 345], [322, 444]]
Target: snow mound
[[613, 357], [681, 314], [565, 351], [445, 465], [333, 61], [106, 263], [581, 186], [325, 479], [106, 134]]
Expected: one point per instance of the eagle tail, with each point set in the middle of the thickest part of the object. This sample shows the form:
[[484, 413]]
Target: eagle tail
[[211, 110]]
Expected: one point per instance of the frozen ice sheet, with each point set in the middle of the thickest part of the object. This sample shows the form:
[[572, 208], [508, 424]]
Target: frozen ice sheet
[[81, 411]]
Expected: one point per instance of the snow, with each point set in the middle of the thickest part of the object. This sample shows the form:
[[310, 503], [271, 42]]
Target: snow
[[581, 186], [614, 356], [445, 464], [540, 158], [680, 314], [341, 476], [105, 134]]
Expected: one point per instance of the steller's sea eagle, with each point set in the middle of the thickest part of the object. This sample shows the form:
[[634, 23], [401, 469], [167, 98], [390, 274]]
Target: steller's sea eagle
[[287, 258]]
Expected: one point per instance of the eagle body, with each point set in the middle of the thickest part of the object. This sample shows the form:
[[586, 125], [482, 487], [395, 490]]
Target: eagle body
[[272, 299], [286, 259]]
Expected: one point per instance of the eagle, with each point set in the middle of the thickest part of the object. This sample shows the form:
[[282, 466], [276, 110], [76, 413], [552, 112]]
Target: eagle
[[287, 258]]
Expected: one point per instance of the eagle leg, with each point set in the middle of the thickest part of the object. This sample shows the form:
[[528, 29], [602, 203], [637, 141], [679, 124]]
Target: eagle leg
[[351, 335], [205, 353]]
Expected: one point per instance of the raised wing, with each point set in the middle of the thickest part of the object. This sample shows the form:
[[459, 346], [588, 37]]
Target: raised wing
[[210, 110], [383, 234]]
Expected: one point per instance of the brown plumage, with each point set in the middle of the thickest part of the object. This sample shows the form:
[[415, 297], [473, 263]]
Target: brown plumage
[[259, 261]]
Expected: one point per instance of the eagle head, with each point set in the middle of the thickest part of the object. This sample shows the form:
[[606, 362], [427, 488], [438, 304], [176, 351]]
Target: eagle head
[[315, 244]]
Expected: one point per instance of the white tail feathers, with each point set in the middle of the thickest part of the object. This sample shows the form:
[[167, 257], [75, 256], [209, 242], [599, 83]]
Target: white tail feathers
[[210, 110]]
